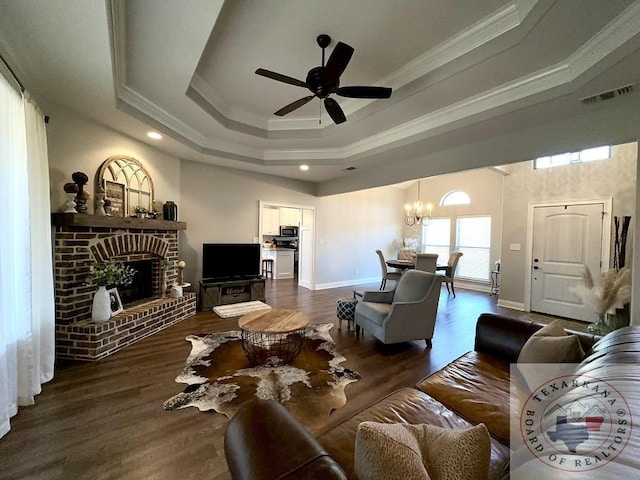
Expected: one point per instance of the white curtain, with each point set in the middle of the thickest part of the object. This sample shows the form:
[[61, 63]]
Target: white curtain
[[27, 315]]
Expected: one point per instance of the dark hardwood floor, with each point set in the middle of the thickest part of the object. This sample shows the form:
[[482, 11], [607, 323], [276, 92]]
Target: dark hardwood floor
[[104, 420]]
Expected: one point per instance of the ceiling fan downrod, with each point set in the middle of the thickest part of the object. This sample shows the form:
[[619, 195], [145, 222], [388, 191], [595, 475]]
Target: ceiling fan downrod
[[324, 41]]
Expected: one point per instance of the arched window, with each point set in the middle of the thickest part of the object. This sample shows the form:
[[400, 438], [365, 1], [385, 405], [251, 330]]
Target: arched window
[[455, 197]]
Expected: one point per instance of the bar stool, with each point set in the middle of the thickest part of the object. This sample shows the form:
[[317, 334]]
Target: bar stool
[[267, 267]]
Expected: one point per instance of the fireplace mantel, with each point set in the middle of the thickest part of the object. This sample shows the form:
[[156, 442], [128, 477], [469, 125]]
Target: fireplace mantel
[[85, 220]]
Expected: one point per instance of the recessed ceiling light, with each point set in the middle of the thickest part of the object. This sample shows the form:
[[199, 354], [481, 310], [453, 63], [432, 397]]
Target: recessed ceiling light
[[154, 135], [304, 168]]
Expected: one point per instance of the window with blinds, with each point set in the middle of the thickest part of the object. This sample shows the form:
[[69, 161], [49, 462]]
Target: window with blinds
[[473, 239], [436, 237]]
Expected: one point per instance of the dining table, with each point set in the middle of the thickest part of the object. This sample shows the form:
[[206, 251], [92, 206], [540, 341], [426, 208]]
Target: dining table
[[401, 264], [411, 264]]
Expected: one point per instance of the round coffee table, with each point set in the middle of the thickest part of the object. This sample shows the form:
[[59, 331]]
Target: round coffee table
[[272, 337]]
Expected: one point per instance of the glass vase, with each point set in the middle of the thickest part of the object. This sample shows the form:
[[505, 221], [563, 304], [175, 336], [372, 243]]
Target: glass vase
[[606, 323], [602, 325]]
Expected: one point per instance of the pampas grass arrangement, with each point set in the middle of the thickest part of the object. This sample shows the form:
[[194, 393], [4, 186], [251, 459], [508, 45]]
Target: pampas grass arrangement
[[611, 292]]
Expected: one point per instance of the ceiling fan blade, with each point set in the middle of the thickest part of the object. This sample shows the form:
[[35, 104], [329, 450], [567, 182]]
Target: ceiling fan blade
[[364, 92], [294, 105], [337, 62], [281, 78], [334, 111]]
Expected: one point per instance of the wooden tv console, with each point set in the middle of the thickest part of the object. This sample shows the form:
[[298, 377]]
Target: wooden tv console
[[214, 293]]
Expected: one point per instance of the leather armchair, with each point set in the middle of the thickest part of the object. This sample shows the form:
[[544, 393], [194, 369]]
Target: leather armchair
[[264, 442], [404, 314]]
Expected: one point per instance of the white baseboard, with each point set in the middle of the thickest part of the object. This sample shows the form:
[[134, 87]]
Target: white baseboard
[[512, 305], [346, 283], [461, 284], [478, 287]]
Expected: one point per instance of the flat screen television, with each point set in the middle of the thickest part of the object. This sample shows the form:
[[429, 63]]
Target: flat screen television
[[230, 261]]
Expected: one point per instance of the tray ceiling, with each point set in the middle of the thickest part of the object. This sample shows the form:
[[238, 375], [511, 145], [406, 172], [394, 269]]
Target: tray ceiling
[[186, 69]]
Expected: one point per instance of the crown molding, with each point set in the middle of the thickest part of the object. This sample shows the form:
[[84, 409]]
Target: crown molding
[[621, 30], [614, 35], [477, 35]]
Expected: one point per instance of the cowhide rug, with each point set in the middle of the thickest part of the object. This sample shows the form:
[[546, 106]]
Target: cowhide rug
[[221, 378]]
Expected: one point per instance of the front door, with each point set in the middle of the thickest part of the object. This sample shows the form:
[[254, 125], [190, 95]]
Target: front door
[[566, 239]]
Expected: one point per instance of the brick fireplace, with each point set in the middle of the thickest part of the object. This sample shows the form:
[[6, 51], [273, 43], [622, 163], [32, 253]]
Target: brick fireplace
[[81, 240]]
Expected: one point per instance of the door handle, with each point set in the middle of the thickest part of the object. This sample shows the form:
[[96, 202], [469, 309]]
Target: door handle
[[536, 267]]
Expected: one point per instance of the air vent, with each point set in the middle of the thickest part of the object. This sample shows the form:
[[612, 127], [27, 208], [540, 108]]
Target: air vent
[[600, 97], [348, 169]]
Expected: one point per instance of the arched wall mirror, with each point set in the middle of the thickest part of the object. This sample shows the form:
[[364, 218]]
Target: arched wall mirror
[[126, 184]]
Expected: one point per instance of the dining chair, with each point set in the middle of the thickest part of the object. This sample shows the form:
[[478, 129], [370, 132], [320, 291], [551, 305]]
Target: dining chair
[[449, 276], [386, 274], [426, 262]]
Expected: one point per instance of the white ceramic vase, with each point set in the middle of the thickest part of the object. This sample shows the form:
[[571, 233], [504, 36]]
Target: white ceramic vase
[[101, 309]]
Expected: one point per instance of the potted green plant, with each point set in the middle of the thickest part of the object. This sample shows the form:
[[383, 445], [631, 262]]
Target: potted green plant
[[140, 211], [108, 274]]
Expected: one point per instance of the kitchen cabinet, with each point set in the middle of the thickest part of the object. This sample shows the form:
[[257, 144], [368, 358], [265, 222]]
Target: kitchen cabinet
[[283, 262], [290, 216], [270, 221]]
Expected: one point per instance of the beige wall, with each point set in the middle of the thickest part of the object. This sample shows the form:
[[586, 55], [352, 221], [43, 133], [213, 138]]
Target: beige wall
[[614, 178], [484, 187], [76, 144], [351, 227], [222, 205]]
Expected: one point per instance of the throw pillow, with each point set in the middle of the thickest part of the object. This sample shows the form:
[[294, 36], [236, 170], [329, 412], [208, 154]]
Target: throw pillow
[[384, 451], [551, 344]]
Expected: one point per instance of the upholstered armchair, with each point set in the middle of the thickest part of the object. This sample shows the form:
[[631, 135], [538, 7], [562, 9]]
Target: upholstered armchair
[[404, 314]]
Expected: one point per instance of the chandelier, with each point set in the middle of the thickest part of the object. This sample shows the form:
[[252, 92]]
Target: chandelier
[[416, 213]]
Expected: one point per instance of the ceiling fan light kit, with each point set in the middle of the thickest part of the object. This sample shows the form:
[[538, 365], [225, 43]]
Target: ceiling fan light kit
[[324, 81]]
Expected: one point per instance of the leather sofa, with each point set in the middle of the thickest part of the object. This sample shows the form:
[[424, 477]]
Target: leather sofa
[[264, 442]]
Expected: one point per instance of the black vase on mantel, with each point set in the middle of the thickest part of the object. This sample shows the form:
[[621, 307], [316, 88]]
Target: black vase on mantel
[[170, 211]]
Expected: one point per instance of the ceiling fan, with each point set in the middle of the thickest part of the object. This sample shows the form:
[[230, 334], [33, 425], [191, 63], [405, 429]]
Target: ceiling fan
[[325, 80]]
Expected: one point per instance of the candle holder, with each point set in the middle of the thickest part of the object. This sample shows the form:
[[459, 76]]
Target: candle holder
[[71, 189]]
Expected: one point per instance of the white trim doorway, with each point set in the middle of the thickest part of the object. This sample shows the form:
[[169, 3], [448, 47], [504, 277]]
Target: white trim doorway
[[306, 253], [606, 237]]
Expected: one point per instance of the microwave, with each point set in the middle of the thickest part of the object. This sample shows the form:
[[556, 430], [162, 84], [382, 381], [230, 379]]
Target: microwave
[[288, 231]]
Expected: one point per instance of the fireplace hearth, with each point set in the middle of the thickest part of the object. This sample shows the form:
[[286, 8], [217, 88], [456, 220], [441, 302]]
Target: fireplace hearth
[[82, 240]]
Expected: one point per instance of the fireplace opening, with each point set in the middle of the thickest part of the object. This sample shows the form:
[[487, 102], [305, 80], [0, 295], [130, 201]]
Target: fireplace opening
[[142, 286]]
